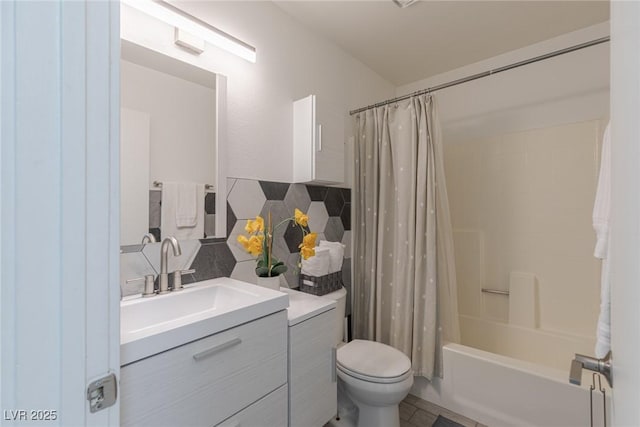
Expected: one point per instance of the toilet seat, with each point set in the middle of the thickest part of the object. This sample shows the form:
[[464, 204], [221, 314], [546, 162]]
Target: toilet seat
[[373, 362], [377, 380]]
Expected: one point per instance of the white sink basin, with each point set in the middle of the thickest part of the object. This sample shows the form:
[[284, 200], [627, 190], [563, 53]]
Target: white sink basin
[[151, 325]]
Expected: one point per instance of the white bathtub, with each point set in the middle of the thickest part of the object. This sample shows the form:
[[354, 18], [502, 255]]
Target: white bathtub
[[498, 390], [547, 348]]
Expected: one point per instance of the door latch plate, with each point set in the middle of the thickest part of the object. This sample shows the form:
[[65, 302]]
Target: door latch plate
[[102, 393]]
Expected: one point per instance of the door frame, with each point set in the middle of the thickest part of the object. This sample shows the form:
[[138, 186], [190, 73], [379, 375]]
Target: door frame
[[59, 215], [625, 211]]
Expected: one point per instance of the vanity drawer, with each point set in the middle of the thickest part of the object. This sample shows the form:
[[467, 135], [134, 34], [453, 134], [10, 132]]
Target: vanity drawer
[[206, 381], [271, 410]]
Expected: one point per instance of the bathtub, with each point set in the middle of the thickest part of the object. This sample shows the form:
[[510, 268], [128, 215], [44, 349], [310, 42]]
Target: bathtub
[[499, 390], [547, 348]]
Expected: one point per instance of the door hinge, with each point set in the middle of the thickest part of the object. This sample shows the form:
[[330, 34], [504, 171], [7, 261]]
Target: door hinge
[[102, 393]]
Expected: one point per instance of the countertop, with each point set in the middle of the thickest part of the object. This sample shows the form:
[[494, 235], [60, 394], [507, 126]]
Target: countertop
[[304, 306]]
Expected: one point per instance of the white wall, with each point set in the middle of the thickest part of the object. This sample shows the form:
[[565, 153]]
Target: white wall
[[291, 63], [566, 89], [182, 123]]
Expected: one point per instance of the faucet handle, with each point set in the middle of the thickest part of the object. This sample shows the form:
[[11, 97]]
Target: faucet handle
[[148, 284], [177, 278], [575, 372]]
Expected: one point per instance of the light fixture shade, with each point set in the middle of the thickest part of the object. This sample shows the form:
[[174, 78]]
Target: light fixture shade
[[404, 3], [188, 41], [171, 15]]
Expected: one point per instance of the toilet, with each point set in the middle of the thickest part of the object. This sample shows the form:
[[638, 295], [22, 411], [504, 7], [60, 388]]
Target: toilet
[[373, 378]]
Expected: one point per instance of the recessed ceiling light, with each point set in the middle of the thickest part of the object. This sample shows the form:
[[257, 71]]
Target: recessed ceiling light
[[404, 3]]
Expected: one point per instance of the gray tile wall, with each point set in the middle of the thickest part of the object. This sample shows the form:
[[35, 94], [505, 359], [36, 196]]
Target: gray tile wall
[[329, 211]]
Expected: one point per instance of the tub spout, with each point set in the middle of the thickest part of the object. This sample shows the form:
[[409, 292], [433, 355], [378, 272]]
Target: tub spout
[[581, 361]]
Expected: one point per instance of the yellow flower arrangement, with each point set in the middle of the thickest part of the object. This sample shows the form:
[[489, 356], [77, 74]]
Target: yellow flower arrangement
[[259, 243]]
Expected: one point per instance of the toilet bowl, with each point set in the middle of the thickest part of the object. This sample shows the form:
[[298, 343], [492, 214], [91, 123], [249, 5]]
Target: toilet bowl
[[376, 377], [373, 376]]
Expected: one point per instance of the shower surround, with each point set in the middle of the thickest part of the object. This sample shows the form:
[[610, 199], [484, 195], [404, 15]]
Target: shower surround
[[521, 203]]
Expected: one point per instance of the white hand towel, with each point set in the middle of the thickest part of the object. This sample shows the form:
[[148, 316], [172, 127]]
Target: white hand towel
[[317, 265], [187, 205], [170, 208], [602, 205], [603, 331], [336, 254], [601, 222]]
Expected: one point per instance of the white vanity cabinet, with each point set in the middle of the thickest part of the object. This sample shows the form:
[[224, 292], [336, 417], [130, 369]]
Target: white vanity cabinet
[[312, 367], [235, 377], [318, 142]]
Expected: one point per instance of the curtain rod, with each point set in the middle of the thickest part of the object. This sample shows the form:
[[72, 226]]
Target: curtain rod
[[487, 73]]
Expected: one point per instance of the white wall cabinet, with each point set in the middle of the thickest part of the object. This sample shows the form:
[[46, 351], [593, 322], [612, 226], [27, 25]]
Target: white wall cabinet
[[318, 142], [211, 380], [312, 367]]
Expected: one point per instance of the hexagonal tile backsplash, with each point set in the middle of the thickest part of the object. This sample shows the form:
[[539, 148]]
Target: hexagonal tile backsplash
[[329, 209]]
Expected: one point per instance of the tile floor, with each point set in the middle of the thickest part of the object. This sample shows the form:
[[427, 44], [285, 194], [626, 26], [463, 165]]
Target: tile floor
[[415, 412]]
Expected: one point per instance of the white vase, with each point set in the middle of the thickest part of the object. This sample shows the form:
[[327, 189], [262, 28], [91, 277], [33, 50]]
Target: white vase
[[269, 282]]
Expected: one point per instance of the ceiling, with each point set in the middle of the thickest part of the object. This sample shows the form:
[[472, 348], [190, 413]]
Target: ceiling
[[431, 37]]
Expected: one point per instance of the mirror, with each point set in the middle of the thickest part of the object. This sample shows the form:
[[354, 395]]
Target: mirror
[[170, 133]]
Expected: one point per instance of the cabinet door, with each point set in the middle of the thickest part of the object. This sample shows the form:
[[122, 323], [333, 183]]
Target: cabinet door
[[206, 381], [329, 148], [318, 142], [312, 375], [304, 138]]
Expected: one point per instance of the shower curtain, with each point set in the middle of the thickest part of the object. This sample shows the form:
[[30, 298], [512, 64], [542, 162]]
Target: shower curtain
[[404, 278]]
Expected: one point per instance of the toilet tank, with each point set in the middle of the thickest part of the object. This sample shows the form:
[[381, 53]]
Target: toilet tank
[[340, 297]]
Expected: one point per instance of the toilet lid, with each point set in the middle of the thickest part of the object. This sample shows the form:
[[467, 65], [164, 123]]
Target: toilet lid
[[373, 359]]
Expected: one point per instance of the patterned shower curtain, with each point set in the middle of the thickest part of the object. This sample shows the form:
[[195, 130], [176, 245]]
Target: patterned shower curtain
[[404, 291]]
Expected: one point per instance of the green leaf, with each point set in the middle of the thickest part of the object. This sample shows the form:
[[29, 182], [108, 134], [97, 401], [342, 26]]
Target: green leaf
[[262, 271], [278, 269]]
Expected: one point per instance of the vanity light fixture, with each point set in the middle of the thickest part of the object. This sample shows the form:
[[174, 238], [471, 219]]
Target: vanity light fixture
[[171, 15]]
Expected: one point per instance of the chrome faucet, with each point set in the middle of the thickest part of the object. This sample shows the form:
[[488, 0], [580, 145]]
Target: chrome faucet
[[163, 281]]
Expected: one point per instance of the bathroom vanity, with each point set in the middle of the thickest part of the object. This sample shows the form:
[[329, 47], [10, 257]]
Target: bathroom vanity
[[233, 376], [226, 353]]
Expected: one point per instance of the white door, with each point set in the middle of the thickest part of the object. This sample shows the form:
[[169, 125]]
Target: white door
[[59, 216], [625, 243]]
